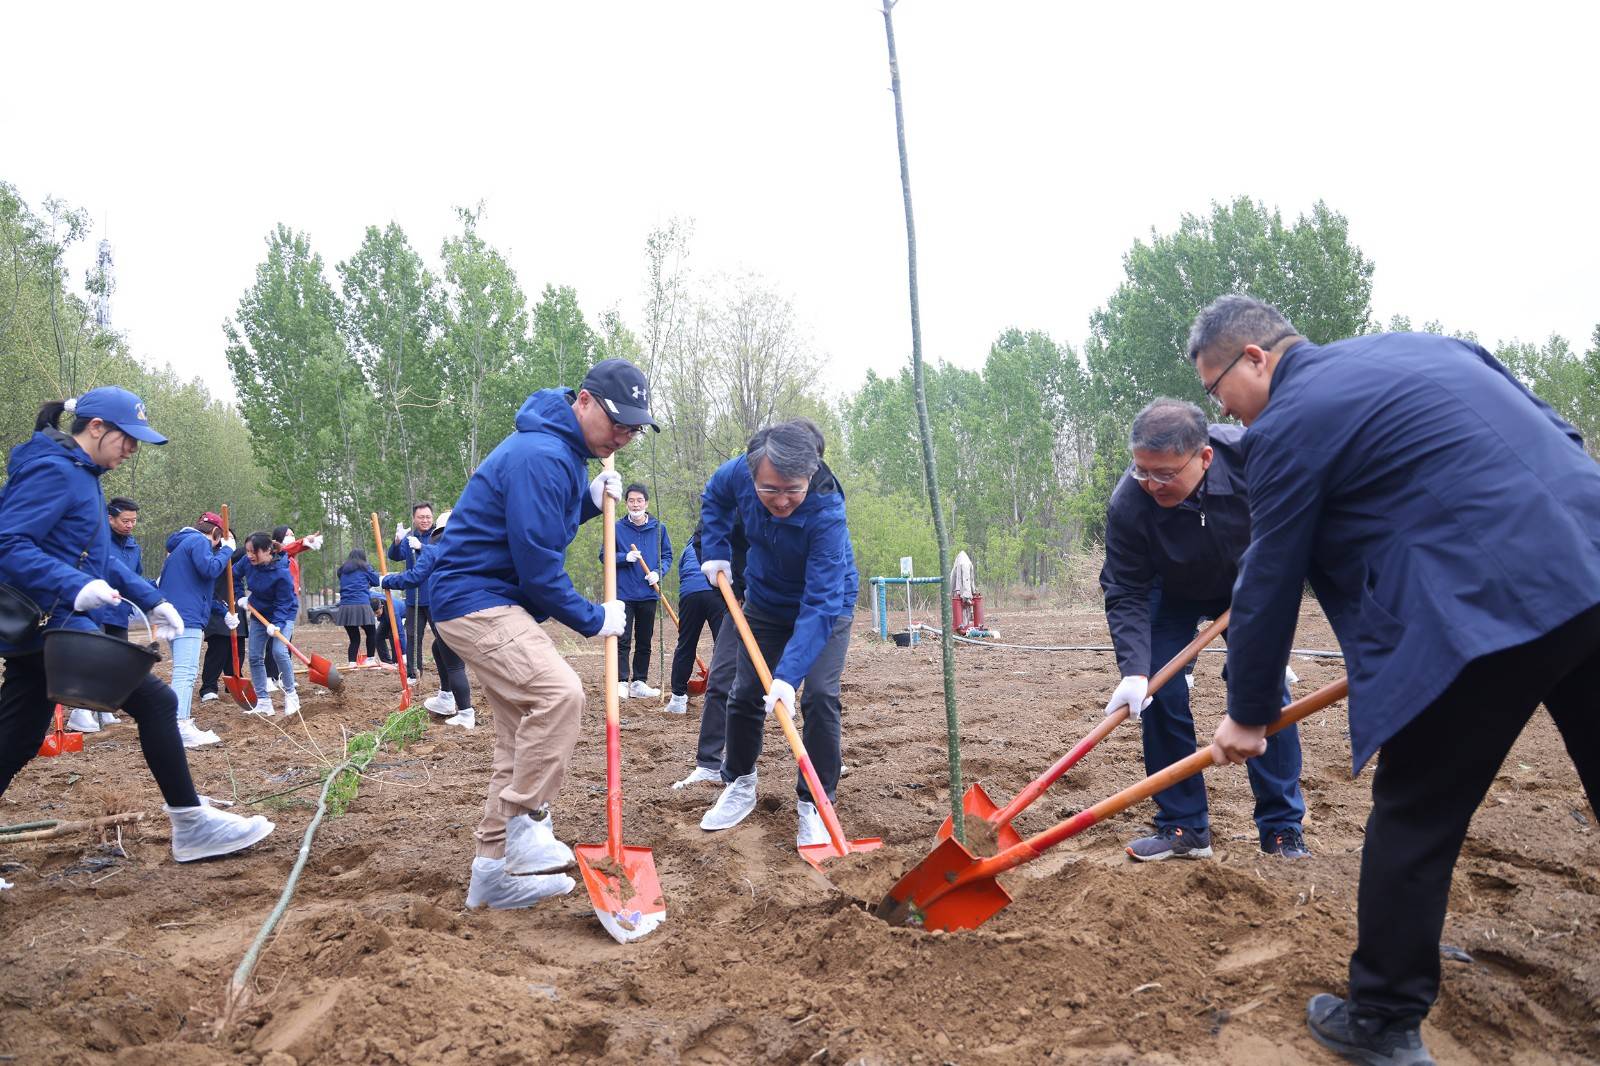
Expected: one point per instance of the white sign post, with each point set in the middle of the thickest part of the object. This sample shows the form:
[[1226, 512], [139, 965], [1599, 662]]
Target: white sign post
[[905, 572]]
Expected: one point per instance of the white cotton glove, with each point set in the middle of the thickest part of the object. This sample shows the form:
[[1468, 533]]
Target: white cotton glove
[[399, 531], [652, 579], [229, 543], [616, 619], [633, 555], [314, 542], [712, 567], [244, 602], [608, 483], [273, 630], [1131, 693], [230, 620], [97, 593], [781, 690], [168, 622], [414, 543]]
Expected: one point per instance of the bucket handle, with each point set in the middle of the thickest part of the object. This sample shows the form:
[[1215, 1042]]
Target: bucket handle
[[148, 628]]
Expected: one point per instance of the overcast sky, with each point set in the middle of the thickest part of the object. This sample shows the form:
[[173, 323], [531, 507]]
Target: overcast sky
[[1458, 139]]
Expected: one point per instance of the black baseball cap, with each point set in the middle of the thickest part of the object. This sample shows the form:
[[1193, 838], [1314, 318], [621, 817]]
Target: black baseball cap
[[623, 392]]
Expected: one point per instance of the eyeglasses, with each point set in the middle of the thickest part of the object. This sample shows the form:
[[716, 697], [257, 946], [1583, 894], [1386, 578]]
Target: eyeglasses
[[631, 431], [1164, 479], [773, 491], [1211, 389]]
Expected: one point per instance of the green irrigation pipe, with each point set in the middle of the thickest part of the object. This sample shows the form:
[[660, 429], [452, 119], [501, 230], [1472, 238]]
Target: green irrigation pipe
[[23, 827]]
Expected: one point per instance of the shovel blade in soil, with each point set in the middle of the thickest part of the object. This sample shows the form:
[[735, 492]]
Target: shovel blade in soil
[[924, 896], [697, 686], [326, 674], [61, 742], [242, 691], [817, 854], [978, 807], [628, 900]]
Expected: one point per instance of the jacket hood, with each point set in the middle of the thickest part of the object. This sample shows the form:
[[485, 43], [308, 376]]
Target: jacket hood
[[49, 445], [550, 411], [174, 540]]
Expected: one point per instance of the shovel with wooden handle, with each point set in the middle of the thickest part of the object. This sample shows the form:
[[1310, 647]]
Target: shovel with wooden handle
[[239, 686], [697, 684], [394, 619], [954, 889], [322, 672], [977, 804], [621, 880]]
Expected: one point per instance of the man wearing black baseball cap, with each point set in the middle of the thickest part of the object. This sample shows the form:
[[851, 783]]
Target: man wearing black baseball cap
[[622, 392]]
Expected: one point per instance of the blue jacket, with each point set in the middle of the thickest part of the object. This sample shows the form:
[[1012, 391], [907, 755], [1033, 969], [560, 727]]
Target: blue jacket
[[380, 607], [127, 549], [800, 567], [189, 574], [270, 586], [690, 579], [1440, 510], [416, 575], [506, 544], [631, 585], [1191, 551], [53, 534], [355, 586], [401, 552]]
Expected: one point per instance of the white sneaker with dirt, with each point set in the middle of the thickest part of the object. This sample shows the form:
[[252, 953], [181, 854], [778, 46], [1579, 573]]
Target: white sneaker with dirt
[[697, 776], [623, 690], [291, 704], [811, 829], [263, 708], [209, 697], [106, 718], [493, 887], [677, 705], [443, 705], [532, 847], [466, 718], [204, 832], [733, 806], [272, 685], [83, 720], [643, 691], [195, 737]]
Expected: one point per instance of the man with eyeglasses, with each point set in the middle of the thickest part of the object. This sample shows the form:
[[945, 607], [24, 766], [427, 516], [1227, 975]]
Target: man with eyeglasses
[[500, 571], [1176, 526], [1447, 521]]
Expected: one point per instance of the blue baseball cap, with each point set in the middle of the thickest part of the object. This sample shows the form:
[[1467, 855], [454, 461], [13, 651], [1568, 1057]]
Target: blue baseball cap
[[623, 392], [119, 407]]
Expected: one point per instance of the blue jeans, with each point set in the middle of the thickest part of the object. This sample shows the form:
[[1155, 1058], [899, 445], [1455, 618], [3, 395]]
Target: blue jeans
[[259, 639], [186, 667], [1168, 728]]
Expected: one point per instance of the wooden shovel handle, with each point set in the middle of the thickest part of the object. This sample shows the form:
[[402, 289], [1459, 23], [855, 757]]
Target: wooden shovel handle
[[394, 618], [296, 652], [232, 600]]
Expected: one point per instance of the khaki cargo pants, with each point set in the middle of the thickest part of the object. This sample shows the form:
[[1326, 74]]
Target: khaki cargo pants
[[536, 700]]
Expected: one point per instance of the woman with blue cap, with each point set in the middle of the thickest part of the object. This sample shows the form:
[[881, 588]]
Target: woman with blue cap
[[55, 548]]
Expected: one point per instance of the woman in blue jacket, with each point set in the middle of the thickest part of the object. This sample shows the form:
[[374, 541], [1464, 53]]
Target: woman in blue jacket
[[356, 579], [196, 556], [55, 548], [270, 590], [641, 536]]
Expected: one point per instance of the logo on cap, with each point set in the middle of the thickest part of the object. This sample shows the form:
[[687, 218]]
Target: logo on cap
[[138, 412], [641, 392]]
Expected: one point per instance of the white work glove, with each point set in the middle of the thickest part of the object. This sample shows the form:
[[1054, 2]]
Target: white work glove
[[244, 602], [1131, 693], [608, 483], [230, 620], [781, 690], [399, 531], [633, 555], [97, 593], [652, 578], [229, 543], [168, 622], [414, 543], [712, 567], [616, 619], [314, 542], [273, 630]]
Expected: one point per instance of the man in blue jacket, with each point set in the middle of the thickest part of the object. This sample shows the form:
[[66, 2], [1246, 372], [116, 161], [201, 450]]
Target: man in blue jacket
[[1175, 528], [500, 571], [1446, 519], [122, 516], [641, 536], [408, 546], [800, 593]]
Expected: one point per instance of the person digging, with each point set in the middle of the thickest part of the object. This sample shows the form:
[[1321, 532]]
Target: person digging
[[500, 571]]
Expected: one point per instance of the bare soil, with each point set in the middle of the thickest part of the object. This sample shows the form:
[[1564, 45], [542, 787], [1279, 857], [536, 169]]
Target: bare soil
[[1098, 960]]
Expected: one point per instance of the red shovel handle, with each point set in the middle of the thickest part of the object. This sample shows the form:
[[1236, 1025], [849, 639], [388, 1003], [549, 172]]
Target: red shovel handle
[[232, 602], [670, 612], [394, 619]]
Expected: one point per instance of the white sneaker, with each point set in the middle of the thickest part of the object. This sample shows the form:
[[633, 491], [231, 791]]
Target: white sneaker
[[107, 718], [195, 737], [466, 718], [733, 806], [622, 690], [532, 847], [351, 665], [677, 705], [492, 886], [263, 707], [699, 774], [811, 828], [204, 832], [83, 720], [208, 697], [291, 704], [643, 691], [443, 705]]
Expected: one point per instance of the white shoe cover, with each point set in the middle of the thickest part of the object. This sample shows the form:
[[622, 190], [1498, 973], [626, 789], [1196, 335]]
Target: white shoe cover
[[811, 829], [443, 705], [291, 704], [492, 887], [699, 774], [272, 685], [532, 847], [195, 737], [643, 691], [733, 806], [263, 708], [106, 718], [466, 718], [678, 705], [83, 720], [204, 832]]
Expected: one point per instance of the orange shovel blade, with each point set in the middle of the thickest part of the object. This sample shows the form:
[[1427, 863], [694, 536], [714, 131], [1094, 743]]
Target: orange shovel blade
[[628, 900], [242, 691], [817, 854], [977, 806], [326, 674], [697, 686], [924, 897]]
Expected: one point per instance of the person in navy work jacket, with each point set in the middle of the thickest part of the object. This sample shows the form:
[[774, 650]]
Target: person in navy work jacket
[[699, 603], [1175, 528], [800, 592], [55, 548], [637, 589], [263, 574], [407, 548], [454, 701], [1447, 520], [196, 556], [122, 515]]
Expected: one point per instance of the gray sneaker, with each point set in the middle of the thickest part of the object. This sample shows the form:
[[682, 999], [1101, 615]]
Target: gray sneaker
[[1363, 1039], [1172, 842]]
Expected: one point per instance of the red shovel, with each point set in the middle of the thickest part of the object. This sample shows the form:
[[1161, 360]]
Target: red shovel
[[622, 881], [697, 683], [954, 889], [394, 619], [322, 671], [58, 740], [977, 804], [239, 686]]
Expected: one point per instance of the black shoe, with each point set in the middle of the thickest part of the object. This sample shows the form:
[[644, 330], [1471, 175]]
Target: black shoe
[[1363, 1039], [1172, 842], [1288, 843]]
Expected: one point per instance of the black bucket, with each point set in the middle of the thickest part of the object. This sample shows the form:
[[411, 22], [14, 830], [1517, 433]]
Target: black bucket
[[84, 668], [902, 639]]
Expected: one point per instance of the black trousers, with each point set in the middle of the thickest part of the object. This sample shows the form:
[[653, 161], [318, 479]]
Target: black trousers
[[417, 622], [1432, 776], [452, 670], [354, 633], [714, 708], [638, 628], [819, 702], [218, 661], [26, 713], [695, 611]]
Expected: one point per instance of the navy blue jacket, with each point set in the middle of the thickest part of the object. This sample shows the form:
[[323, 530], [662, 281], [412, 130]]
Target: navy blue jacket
[[417, 575], [1191, 551], [53, 534], [800, 567], [690, 579], [401, 552], [127, 549], [1440, 510], [355, 586], [506, 544], [271, 588], [631, 585], [190, 573]]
